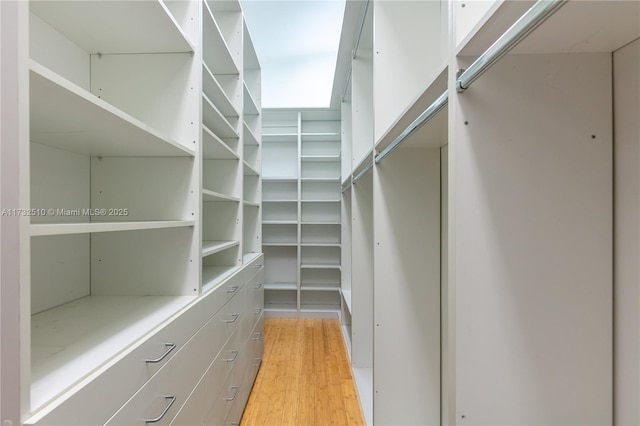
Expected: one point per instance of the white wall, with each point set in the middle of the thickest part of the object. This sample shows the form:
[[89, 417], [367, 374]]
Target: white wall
[[627, 235]]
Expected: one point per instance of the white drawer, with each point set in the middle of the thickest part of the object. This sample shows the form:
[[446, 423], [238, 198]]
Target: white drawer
[[228, 397], [161, 397], [96, 402], [221, 368], [218, 297], [192, 412]]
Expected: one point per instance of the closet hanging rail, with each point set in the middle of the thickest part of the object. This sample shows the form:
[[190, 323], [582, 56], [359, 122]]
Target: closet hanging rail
[[364, 18], [532, 18], [422, 119], [363, 172]]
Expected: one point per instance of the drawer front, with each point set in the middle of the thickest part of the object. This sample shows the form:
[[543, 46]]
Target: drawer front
[[227, 399], [161, 398], [218, 297], [96, 402], [192, 412], [221, 368], [254, 301]]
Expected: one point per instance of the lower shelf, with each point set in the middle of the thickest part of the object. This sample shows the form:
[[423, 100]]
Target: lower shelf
[[72, 340]]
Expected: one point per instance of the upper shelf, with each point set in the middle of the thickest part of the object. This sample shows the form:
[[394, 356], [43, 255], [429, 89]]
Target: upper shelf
[[320, 137], [577, 27], [214, 91], [216, 53], [250, 105], [65, 116], [115, 26]]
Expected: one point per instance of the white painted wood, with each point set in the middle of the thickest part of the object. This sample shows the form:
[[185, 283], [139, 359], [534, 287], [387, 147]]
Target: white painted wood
[[445, 352], [321, 169], [280, 264], [70, 341], [279, 191], [212, 247], [320, 212], [160, 90], [215, 148], [362, 245], [251, 187], [216, 93], [60, 270], [470, 15], [280, 211], [222, 176], [280, 159], [68, 117], [212, 196], [533, 248], [213, 119], [191, 412], [96, 227], [407, 46], [221, 221], [59, 180], [626, 349], [347, 136], [321, 234], [406, 365], [320, 191], [216, 53], [320, 255], [280, 234], [56, 52], [114, 27], [148, 188], [362, 104], [229, 21], [363, 378]]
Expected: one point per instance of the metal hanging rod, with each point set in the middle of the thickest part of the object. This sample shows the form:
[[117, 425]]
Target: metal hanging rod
[[362, 22], [346, 187], [422, 119], [363, 172], [532, 18]]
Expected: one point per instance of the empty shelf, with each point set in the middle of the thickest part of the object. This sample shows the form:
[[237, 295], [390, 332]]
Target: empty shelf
[[211, 247], [44, 229]]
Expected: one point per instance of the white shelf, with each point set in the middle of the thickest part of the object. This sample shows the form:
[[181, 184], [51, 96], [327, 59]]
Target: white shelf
[[280, 307], [279, 222], [247, 203], [248, 257], [280, 286], [65, 116], [214, 148], [279, 244], [216, 121], [320, 266], [216, 93], [213, 276], [215, 52], [346, 295], [279, 137], [282, 179], [70, 341], [279, 201], [211, 247], [320, 308], [320, 223], [320, 201], [249, 170], [45, 229], [320, 158], [250, 105], [320, 137], [329, 180], [212, 196], [115, 26], [316, 287], [320, 245], [249, 137]]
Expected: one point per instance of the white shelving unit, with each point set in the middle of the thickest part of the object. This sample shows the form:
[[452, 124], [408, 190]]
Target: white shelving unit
[[301, 213], [139, 154]]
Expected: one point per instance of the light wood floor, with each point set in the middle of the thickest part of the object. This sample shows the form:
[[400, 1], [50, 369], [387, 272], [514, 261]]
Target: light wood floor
[[305, 378]]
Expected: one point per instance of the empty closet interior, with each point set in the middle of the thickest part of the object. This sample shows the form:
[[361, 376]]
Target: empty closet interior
[[467, 208]]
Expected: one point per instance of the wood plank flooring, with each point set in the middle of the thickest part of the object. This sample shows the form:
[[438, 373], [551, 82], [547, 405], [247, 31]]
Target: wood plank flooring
[[305, 378]]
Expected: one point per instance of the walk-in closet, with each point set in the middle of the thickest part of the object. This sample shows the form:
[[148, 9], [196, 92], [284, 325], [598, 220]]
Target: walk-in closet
[[458, 209]]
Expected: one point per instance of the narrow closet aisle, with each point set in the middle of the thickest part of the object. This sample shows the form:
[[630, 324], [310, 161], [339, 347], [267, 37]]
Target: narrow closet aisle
[[305, 377]]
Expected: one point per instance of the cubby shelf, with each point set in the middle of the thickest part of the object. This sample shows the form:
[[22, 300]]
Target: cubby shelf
[[216, 121], [65, 116], [214, 91], [282, 179], [282, 138], [321, 179], [321, 158], [249, 137], [114, 26], [214, 148], [250, 204], [279, 222], [211, 247], [216, 52], [249, 170], [213, 276], [250, 104], [319, 266], [279, 244], [320, 137], [280, 286], [44, 229], [212, 196]]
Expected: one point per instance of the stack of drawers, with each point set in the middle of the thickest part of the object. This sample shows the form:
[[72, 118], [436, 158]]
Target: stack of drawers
[[197, 368]]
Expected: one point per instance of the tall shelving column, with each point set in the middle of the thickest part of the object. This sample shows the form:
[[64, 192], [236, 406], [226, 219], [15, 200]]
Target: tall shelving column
[[320, 213], [280, 211], [222, 168]]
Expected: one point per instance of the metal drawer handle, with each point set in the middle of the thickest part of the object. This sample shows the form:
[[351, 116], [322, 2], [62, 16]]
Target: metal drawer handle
[[235, 392], [259, 285], [258, 311], [257, 266], [171, 347], [235, 355], [235, 318], [258, 362], [258, 336], [172, 399], [233, 289]]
